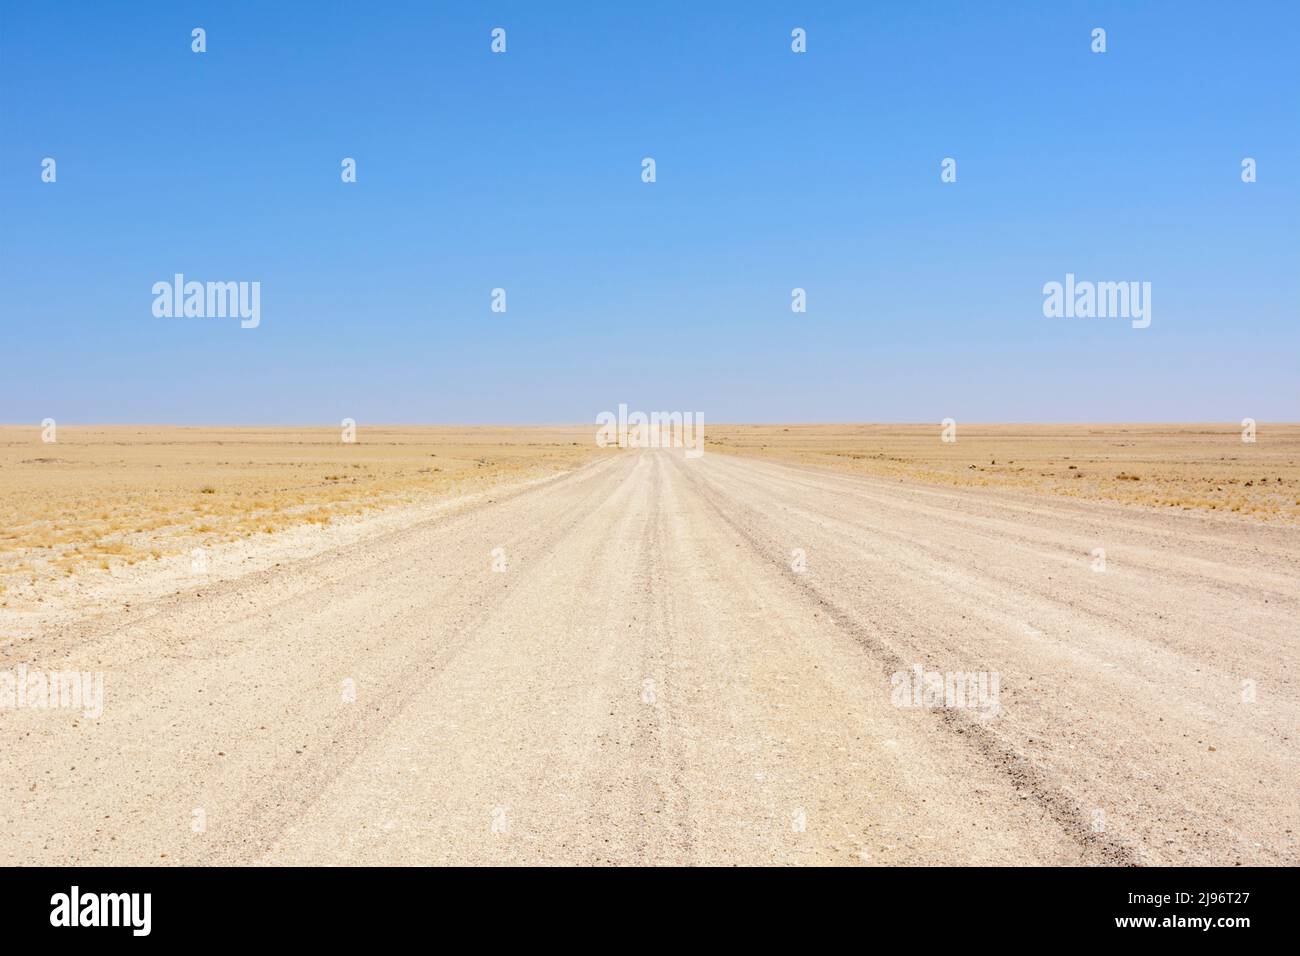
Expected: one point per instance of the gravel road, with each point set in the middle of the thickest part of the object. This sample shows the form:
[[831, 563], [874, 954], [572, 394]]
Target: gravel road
[[653, 660]]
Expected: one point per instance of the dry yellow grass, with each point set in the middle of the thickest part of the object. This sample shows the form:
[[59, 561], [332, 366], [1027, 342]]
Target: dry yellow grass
[[1197, 467], [103, 496]]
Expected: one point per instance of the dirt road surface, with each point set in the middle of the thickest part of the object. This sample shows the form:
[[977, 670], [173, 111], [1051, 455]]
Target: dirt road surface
[[691, 661]]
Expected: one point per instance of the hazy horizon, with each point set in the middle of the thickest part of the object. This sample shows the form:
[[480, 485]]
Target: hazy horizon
[[592, 424]]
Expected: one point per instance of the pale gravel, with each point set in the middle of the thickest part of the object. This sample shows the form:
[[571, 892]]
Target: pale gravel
[[650, 681]]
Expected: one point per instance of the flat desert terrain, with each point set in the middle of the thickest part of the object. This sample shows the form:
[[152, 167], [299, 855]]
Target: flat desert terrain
[[1183, 467], [817, 644], [109, 498]]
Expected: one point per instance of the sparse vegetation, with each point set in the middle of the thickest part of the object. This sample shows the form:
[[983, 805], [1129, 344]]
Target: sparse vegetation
[[115, 496], [1188, 467]]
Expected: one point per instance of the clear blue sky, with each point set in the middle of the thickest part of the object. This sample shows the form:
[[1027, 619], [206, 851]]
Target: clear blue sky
[[522, 171]]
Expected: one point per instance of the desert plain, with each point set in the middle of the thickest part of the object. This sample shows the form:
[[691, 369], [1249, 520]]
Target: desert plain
[[509, 645]]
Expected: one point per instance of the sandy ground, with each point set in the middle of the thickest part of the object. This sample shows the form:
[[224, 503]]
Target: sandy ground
[[672, 661], [1218, 467], [77, 499]]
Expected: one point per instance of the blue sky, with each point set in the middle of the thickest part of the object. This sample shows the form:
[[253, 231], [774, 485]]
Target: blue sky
[[774, 171]]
